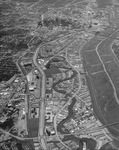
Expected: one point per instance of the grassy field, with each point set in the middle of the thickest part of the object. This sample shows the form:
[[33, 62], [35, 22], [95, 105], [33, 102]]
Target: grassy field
[[59, 3], [97, 68], [104, 3], [103, 100], [33, 127], [92, 44], [92, 57], [25, 1], [66, 2], [112, 67], [104, 47], [49, 1], [113, 70], [105, 118], [107, 58], [115, 49], [103, 50], [106, 32], [106, 101], [101, 90]]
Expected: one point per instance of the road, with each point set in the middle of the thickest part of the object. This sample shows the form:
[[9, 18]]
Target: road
[[14, 136], [42, 101]]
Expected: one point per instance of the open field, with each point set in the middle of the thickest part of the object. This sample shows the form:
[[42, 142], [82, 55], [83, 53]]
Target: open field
[[113, 70], [33, 127], [107, 58], [59, 3], [92, 57], [111, 65], [105, 99], [103, 50], [103, 91], [104, 3], [104, 47], [97, 68], [92, 44], [115, 49], [97, 112], [107, 32], [25, 1], [49, 1], [66, 2], [100, 87]]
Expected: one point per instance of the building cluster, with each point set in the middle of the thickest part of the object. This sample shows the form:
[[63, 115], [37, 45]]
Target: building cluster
[[21, 96], [33, 87], [84, 121], [34, 82], [13, 111], [61, 76], [66, 85], [12, 91]]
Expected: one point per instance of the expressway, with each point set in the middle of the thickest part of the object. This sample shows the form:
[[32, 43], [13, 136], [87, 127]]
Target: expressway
[[42, 101]]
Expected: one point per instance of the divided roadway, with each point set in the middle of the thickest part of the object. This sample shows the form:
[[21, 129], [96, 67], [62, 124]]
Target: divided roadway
[[41, 101]]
